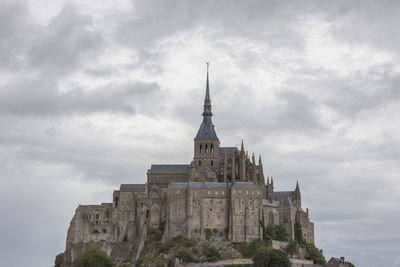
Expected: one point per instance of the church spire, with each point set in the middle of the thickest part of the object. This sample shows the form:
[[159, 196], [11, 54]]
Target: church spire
[[206, 130], [207, 99]]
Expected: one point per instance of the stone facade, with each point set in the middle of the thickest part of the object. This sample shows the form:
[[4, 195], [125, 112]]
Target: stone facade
[[221, 195]]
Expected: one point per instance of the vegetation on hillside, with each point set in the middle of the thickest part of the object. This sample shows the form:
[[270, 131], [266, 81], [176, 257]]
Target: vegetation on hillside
[[269, 257], [182, 248], [275, 232], [59, 260], [94, 257]]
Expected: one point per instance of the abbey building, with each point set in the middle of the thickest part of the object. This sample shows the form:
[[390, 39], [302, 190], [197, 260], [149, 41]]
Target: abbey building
[[222, 190]]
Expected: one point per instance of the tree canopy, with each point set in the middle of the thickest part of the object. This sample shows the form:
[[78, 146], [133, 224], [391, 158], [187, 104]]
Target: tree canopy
[[269, 257], [94, 257]]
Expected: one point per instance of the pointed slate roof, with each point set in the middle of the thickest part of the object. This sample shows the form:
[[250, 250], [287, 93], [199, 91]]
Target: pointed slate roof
[[206, 130]]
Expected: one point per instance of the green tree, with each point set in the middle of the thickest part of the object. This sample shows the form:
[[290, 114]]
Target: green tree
[[269, 232], [350, 264], [276, 232], [59, 260], [281, 233], [94, 257], [298, 234], [211, 253], [292, 248], [269, 257], [314, 254]]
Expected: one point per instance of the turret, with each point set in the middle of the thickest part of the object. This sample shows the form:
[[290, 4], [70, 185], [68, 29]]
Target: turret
[[260, 166], [297, 194], [242, 160], [253, 169]]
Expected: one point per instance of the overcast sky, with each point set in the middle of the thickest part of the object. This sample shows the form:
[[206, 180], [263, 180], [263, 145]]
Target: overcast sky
[[93, 92]]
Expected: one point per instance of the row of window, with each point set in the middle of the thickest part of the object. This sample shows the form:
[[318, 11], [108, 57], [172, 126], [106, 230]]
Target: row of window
[[252, 192], [222, 193], [206, 149]]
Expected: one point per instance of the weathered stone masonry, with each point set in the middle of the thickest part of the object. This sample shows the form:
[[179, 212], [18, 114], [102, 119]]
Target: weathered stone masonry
[[222, 190]]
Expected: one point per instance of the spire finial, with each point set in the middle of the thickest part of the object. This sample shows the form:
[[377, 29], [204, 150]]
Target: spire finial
[[207, 99]]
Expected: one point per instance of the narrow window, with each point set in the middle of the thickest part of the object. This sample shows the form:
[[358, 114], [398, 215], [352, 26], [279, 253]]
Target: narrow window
[[206, 149], [212, 149], [199, 162], [212, 163], [201, 148]]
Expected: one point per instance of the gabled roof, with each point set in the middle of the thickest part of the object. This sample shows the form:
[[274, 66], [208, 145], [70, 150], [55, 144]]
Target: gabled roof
[[169, 168], [200, 185], [228, 150], [132, 187], [283, 195], [248, 185]]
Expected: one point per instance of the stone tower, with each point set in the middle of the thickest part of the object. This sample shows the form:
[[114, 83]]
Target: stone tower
[[206, 143]]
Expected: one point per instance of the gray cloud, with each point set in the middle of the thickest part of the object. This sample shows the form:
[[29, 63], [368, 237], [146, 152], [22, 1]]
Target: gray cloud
[[95, 94], [41, 97], [64, 42]]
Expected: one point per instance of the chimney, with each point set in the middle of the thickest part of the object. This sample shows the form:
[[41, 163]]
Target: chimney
[[342, 260]]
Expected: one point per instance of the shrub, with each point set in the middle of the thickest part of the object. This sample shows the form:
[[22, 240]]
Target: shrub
[[127, 264], [314, 254], [350, 264], [94, 257], [298, 234], [208, 233], [59, 260], [211, 253], [269, 232], [275, 232], [252, 247], [155, 235], [280, 233], [269, 257], [184, 255], [292, 248], [189, 243]]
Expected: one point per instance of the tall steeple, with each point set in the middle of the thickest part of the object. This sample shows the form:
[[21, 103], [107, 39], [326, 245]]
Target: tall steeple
[[206, 143], [206, 130], [207, 99]]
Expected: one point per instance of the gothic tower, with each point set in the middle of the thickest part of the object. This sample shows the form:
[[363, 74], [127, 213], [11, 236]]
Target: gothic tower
[[206, 143]]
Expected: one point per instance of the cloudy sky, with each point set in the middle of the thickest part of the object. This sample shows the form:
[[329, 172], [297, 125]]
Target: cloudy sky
[[93, 92]]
